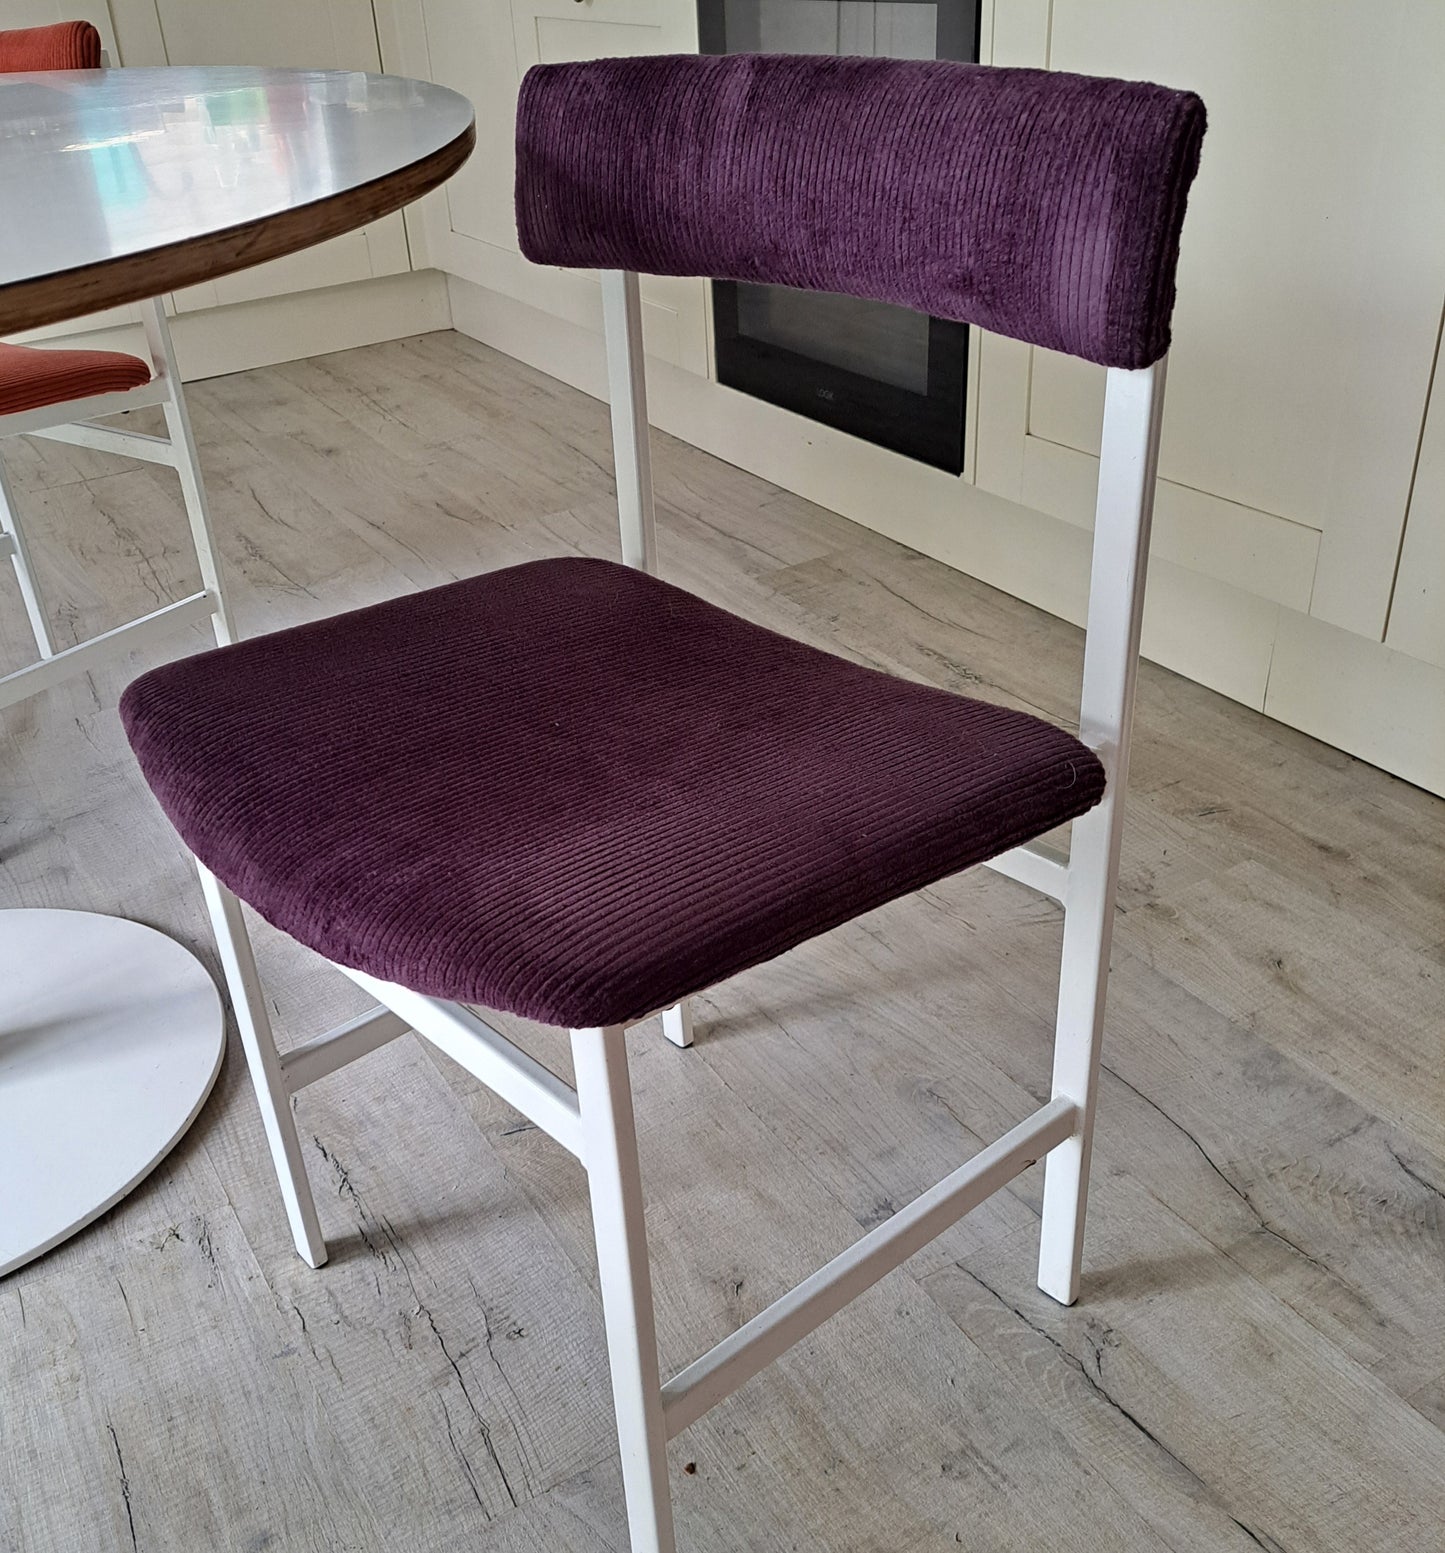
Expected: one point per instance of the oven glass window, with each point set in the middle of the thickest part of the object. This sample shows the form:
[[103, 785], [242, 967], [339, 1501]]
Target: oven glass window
[[879, 371]]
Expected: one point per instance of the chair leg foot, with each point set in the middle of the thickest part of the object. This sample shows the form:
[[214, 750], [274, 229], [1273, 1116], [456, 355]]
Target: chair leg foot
[[1061, 1234], [677, 1023], [610, 1155]]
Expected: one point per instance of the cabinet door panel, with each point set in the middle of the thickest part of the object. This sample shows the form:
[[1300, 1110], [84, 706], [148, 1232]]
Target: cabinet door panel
[[331, 35], [326, 34], [1268, 556], [470, 48], [1310, 285], [471, 228], [550, 32], [560, 38]]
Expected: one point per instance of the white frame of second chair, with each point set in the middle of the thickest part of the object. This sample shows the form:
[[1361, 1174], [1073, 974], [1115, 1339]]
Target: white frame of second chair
[[73, 421], [594, 1119]]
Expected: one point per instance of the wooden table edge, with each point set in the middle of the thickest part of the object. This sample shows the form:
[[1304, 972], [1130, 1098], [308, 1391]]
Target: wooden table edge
[[51, 299]]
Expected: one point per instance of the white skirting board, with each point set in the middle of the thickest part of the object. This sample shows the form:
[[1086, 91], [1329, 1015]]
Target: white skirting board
[[1350, 692], [288, 327]]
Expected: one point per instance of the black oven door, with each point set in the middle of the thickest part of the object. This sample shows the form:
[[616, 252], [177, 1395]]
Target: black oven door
[[875, 370]]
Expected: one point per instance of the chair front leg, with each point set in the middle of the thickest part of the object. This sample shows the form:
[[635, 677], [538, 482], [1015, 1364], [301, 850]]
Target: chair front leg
[[610, 1154], [248, 1000]]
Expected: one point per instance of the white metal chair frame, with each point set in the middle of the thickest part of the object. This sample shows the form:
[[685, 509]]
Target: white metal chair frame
[[74, 421], [594, 1119]]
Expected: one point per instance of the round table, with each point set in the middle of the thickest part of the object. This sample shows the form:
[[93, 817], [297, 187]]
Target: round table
[[122, 185]]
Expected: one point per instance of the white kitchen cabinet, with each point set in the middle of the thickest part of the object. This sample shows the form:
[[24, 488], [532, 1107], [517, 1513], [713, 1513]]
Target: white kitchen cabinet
[[329, 34], [1311, 286], [470, 229], [1311, 289]]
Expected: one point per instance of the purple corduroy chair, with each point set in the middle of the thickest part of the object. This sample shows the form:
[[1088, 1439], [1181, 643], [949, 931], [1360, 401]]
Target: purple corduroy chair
[[573, 792]]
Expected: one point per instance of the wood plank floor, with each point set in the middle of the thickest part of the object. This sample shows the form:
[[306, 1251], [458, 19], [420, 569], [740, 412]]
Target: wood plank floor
[[1258, 1359]]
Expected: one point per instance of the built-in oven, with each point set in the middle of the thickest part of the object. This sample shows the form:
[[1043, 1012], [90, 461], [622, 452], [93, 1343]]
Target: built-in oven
[[879, 371]]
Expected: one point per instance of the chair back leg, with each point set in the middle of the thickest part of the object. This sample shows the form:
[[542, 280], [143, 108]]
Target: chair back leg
[[1128, 468], [604, 1098], [24, 570], [273, 1095], [188, 466], [632, 468], [1083, 981]]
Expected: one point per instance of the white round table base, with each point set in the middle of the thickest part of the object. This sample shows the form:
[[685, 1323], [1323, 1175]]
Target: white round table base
[[111, 1037]]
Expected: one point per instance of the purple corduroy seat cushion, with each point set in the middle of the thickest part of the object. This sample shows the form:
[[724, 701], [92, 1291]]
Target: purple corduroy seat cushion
[[574, 792], [1041, 205]]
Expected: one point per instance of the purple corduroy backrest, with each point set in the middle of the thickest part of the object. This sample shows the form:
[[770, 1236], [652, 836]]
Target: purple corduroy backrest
[[1039, 205]]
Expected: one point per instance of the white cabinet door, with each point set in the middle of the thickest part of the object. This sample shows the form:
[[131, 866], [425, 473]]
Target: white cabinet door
[[1310, 292], [483, 51], [329, 34]]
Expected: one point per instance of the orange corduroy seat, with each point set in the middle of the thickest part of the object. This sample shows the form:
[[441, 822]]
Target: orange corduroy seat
[[30, 378], [63, 46]]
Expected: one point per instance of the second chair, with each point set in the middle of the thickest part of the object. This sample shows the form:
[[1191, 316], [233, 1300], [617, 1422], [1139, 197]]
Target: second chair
[[62, 395]]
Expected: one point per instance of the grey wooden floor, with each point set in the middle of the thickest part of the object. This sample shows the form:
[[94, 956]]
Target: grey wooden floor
[[1258, 1359]]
